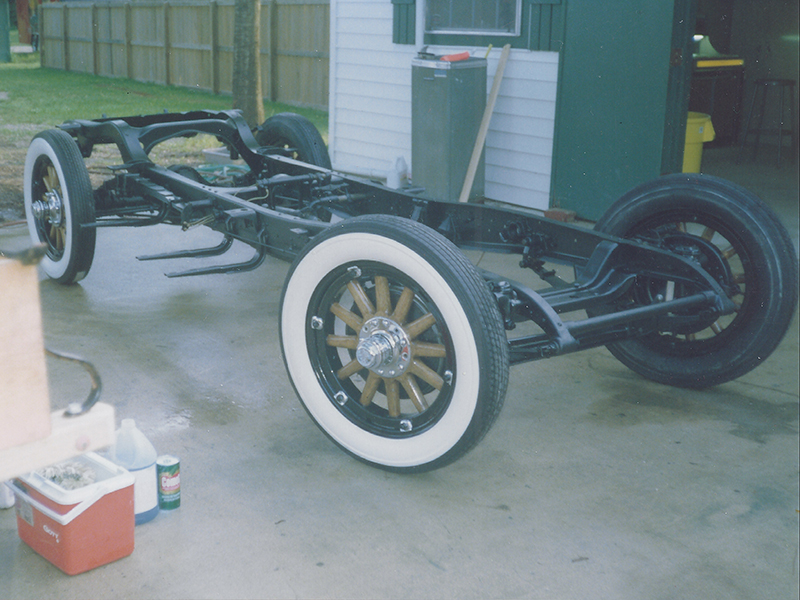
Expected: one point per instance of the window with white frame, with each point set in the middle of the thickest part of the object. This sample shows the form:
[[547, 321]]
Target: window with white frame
[[473, 17], [531, 24]]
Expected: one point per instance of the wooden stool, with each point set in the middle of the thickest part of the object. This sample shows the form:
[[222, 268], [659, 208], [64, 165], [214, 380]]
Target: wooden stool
[[764, 85]]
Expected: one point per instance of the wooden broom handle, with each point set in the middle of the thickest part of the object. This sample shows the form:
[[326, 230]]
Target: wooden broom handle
[[487, 116]]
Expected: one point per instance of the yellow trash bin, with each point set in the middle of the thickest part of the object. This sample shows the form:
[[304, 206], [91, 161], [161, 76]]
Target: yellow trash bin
[[698, 130]]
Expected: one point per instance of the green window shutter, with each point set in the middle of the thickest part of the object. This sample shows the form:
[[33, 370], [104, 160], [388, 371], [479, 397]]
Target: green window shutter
[[543, 24], [404, 21]]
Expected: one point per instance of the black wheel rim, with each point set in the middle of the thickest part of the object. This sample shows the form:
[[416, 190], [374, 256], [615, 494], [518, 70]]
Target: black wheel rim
[[407, 395], [47, 206], [722, 252]]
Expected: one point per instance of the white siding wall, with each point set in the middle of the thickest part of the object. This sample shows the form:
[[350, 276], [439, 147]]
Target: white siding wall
[[370, 105]]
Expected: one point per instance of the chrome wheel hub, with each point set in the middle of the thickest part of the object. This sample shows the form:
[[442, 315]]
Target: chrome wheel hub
[[49, 208], [383, 347]]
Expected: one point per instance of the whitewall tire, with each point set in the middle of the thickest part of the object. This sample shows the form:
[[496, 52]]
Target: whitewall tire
[[393, 342], [59, 205]]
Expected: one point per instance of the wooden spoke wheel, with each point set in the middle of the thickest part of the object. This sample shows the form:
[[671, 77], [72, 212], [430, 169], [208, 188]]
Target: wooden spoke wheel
[[59, 205], [393, 343]]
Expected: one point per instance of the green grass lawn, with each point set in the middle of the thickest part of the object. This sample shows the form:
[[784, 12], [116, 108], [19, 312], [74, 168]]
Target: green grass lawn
[[40, 96]]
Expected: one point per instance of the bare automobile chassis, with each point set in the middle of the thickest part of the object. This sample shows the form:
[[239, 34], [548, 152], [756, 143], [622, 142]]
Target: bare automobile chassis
[[395, 343]]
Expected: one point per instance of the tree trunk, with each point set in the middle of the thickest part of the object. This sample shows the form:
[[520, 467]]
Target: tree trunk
[[246, 82]]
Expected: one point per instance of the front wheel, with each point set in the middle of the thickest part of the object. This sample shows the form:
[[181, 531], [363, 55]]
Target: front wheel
[[59, 205], [738, 240], [393, 343]]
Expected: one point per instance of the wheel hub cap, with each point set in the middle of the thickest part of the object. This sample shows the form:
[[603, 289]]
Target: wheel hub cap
[[49, 208], [383, 347]]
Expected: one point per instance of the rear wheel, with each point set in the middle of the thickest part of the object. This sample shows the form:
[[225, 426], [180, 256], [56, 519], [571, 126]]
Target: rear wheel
[[189, 173], [393, 342], [297, 135], [737, 239], [59, 205]]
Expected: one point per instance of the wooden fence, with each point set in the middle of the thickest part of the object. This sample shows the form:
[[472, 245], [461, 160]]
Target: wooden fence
[[190, 44]]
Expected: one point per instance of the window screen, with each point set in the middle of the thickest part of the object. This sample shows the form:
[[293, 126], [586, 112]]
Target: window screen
[[473, 17]]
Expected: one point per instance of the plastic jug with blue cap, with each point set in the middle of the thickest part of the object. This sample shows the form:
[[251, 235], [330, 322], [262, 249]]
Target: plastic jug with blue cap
[[133, 451]]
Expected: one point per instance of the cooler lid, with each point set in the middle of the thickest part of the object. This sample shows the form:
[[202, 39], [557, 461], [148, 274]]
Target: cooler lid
[[108, 478]]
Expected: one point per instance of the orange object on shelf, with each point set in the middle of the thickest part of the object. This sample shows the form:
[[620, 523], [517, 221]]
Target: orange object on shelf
[[455, 57]]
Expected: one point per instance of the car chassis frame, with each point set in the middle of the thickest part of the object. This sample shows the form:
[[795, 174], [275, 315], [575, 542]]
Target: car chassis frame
[[631, 286], [606, 267]]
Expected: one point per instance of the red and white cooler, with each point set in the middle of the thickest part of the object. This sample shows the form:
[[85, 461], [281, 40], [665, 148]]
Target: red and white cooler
[[77, 530]]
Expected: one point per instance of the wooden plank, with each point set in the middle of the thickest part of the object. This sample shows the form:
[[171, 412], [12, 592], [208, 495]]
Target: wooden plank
[[484, 128], [80, 37], [24, 401], [69, 437]]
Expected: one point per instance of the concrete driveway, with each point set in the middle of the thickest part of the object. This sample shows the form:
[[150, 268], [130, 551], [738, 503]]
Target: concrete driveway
[[593, 484]]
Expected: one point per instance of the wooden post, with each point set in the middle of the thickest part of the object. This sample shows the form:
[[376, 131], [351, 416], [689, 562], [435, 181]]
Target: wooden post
[[65, 32], [95, 49], [40, 24], [128, 41], [167, 51], [272, 50], [213, 8]]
